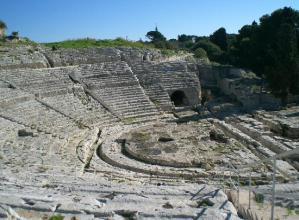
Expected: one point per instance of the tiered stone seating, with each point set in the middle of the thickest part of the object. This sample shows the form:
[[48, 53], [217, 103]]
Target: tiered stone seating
[[41, 82], [116, 85], [175, 75], [88, 112], [262, 133], [172, 75], [12, 96], [260, 144], [68, 57], [128, 102], [3, 84], [147, 77], [104, 200], [158, 79], [8, 131], [37, 116], [55, 89], [18, 152], [284, 122], [287, 194], [158, 96]]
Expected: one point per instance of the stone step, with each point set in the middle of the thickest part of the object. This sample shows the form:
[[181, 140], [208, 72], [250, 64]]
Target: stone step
[[138, 114]]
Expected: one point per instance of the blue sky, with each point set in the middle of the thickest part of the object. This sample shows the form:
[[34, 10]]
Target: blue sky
[[56, 20]]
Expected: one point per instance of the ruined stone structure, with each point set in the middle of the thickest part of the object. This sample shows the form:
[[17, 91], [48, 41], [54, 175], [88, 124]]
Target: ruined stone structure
[[100, 133], [242, 86]]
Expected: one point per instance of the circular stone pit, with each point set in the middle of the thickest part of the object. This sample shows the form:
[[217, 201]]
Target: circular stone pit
[[195, 144]]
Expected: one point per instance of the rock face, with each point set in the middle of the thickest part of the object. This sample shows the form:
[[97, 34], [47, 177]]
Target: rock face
[[90, 134], [25, 56], [67, 57], [240, 85]]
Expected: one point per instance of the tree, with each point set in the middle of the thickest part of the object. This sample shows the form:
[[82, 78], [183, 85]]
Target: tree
[[155, 36], [278, 53], [282, 64], [200, 53], [219, 38], [3, 27], [15, 34], [158, 39], [271, 49], [243, 50], [183, 38], [214, 52]]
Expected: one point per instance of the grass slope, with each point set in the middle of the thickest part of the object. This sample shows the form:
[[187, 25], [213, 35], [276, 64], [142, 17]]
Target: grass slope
[[88, 42], [118, 42]]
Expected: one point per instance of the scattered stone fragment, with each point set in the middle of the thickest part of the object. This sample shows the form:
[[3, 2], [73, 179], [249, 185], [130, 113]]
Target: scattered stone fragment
[[24, 133]]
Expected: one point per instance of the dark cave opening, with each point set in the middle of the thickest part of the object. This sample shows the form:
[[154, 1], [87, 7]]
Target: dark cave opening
[[179, 98]]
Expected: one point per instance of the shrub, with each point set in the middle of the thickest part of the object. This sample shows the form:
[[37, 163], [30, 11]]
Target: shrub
[[54, 47], [15, 34], [259, 198], [56, 217], [200, 53], [213, 51]]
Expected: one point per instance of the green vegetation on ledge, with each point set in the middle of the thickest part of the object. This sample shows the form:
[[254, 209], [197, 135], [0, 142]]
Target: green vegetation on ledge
[[118, 42], [89, 42]]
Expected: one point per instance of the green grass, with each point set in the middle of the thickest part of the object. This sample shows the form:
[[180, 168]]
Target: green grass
[[89, 42], [56, 217], [291, 212], [118, 42]]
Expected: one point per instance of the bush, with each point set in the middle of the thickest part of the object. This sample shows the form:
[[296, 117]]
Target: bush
[[56, 217], [15, 34], [54, 47], [259, 198], [200, 53], [213, 51]]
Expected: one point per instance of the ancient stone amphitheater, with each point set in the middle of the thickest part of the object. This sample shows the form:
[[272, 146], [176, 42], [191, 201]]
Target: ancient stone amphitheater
[[120, 133]]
